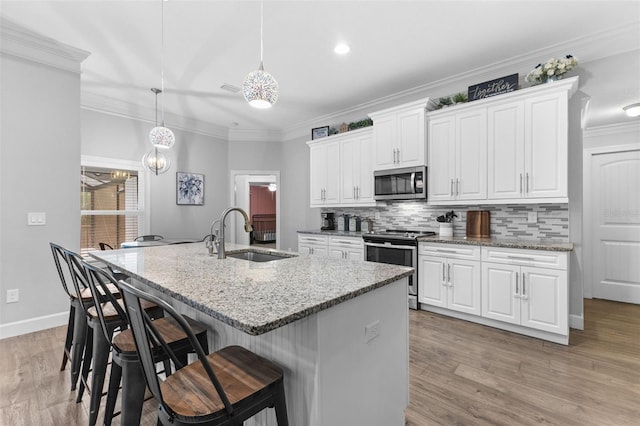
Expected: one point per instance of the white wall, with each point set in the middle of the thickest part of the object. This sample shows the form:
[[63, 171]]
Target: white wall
[[39, 158], [123, 138]]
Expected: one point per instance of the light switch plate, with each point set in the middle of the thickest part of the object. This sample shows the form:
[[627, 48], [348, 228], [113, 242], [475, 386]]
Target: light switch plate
[[532, 217], [36, 218]]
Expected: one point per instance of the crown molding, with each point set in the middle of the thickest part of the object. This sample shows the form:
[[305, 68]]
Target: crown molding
[[588, 48], [26, 44], [612, 129], [239, 135], [93, 102]]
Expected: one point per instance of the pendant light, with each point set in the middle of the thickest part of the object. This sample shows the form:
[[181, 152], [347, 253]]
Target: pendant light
[[160, 136], [259, 88], [156, 161]]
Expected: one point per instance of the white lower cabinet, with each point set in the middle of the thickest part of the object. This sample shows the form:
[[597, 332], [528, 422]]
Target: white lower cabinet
[[351, 248], [313, 245], [525, 291], [449, 277], [517, 291]]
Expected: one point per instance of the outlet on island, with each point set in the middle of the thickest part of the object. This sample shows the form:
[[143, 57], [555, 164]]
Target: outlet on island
[[372, 331]]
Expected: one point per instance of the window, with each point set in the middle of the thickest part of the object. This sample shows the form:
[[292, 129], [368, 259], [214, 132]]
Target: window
[[111, 203]]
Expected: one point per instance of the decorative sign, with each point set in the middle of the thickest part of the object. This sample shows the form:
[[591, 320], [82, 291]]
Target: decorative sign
[[495, 87]]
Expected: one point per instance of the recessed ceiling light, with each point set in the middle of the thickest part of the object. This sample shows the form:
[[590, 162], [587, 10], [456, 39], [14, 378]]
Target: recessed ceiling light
[[342, 48], [632, 110]]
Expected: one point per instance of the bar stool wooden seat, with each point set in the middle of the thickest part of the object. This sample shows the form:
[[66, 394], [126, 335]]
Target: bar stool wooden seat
[[108, 311], [77, 324], [223, 388]]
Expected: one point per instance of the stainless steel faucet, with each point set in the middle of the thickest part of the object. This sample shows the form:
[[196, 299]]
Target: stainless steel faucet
[[219, 242]]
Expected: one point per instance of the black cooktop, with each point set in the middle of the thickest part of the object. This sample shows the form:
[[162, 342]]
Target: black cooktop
[[397, 234]]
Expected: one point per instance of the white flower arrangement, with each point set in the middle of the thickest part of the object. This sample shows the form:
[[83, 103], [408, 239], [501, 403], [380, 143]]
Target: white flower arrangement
[[553, 68]]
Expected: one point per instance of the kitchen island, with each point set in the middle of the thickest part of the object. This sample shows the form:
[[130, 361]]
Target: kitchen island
[[338, 328]]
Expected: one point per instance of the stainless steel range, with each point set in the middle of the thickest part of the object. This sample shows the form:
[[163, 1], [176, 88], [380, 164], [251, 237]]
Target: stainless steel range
[[398, 247]]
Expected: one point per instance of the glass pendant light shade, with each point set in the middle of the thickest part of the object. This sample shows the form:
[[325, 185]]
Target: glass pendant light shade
[[260, 89], [156, 161], [162, 137]]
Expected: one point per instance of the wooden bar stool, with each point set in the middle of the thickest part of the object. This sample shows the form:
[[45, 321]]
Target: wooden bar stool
[[77, 325], [244, 385], [126, 363]]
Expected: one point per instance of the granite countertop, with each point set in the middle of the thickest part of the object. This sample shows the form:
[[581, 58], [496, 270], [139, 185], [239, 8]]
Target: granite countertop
[[334, 233], [519, 243], [253, 297], [546, 244]]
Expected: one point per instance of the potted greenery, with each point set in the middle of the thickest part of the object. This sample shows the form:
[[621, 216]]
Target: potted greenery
[[460, 98], [443, 102], [446, 224]]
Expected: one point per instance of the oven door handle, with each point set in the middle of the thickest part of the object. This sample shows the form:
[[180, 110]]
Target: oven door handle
[[391, 246]]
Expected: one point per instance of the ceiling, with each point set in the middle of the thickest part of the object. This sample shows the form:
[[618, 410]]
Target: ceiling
[[396, 46]]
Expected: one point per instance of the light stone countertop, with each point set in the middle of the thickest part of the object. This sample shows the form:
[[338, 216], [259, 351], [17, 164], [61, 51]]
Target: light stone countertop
[[254, 297], [546, 244], [519, 243]]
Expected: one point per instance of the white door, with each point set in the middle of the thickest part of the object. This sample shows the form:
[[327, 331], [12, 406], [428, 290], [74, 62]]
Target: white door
[[442, 158], [411, 140], [318, 173], [501, 292], [471, 155], [350, 169], [544, 299], [615, 186], [432, 289], [365, 187], [505, 152], [384, 134], [464, 286]]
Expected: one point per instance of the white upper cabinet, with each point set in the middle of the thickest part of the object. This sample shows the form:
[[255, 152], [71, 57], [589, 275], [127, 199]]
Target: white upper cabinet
[[341, 169], [528, 146], [505, 149], [356, 173], [399, 136], [457, 155], [324, 173]]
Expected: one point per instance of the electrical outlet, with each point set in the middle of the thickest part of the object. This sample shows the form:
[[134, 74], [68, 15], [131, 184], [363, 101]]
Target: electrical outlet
[[13, 295], [372, 331], [376, 215], [532, 217], [36, 218]]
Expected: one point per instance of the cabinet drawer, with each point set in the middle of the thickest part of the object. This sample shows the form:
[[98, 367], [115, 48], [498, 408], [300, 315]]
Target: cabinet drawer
[[313, 239], [454, 251], [538, 258], [346, 241]]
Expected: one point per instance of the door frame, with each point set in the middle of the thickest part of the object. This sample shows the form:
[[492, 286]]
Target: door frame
[[233, 202], [588, 218]]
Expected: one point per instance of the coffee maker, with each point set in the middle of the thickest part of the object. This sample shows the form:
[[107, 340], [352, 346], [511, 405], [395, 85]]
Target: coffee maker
[[328, 222]]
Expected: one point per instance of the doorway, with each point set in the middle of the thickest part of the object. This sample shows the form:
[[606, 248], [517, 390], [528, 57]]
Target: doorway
[[257, 193], [612, 217]]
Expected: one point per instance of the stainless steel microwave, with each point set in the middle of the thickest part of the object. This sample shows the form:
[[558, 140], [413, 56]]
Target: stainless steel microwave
[[408, 183]]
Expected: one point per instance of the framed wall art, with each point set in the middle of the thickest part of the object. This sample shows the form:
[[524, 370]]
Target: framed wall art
[[319, 132], [189, 189]]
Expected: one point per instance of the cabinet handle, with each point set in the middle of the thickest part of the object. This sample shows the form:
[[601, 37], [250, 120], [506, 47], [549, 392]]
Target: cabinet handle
[[521, 258], [398, 155], [310, 250], [444, 279], [526, 187], [449, 274], [524, 289], [457, 187], [354, 192], [521, 183], [357, 192], [517, 285], [451, 187]]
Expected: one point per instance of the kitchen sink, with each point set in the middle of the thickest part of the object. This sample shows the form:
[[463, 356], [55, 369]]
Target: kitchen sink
[[253, 256]]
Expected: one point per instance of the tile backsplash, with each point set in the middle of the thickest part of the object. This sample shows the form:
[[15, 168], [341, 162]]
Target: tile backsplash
[[507, 221]]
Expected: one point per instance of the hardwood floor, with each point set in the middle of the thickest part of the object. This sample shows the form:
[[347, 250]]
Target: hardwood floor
[[461, 374], [467, 374]]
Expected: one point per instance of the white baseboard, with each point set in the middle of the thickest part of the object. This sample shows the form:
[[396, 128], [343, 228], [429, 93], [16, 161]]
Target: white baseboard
[[576, 322], [33, 324]]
